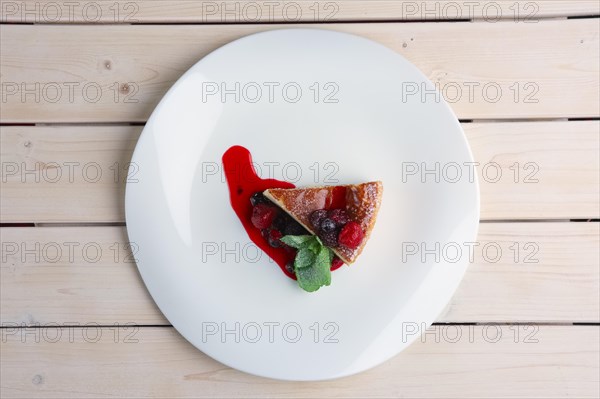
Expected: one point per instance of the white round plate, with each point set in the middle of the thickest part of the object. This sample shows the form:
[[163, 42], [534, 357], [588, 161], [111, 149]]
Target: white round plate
[[313, 107]]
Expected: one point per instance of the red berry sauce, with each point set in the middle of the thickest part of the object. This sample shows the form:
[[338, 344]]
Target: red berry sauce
[[243, 182]]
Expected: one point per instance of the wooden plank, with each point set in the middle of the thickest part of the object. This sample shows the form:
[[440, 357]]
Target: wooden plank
[[78, 173], [557, 361], [545, 272], [70, 174], [555, 277], [231, 11], [486, 70], [72, 274], [537, 170]]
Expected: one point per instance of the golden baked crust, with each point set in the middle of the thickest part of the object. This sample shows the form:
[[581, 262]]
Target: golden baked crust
[[361, 201]]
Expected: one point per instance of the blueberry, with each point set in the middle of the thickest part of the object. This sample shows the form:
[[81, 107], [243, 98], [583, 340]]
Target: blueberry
[[328, 225], [258, 198], [274, 243], [290, 267], [274, 238], [317, 217]]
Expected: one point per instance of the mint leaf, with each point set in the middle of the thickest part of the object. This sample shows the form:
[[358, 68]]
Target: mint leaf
[[314, 245], [324, 258], [304, 258], [312, 278], [313, 261], [297, 242], [317, 274]]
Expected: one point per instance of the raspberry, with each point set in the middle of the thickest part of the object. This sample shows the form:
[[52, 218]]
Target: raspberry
[[328, 225], [262, 216], [329, 239], [317, 217], [351, 235], [339, 216], [336, 263]]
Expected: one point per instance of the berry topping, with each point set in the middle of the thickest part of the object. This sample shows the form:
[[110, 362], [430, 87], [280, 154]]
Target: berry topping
[[280, 221], [263, 215], [291, 251], [339, 216], [294, 228], [329, 239], [328, 225], [274, 238], [351, 235], [317, 217], [258, 198], [336, 263], [289, 267]]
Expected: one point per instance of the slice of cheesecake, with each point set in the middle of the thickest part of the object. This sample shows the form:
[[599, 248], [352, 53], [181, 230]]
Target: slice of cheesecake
[[341, 216]]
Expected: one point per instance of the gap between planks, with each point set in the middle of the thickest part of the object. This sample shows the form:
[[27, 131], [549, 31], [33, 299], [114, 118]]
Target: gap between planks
[[230, 12], [123, 224], [134, 123], [436, 324]]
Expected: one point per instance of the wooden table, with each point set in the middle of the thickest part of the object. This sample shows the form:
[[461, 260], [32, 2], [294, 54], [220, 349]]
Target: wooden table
[[80, 79]]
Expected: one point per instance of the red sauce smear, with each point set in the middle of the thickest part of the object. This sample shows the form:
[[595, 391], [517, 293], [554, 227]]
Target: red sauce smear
[[243, 182]]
